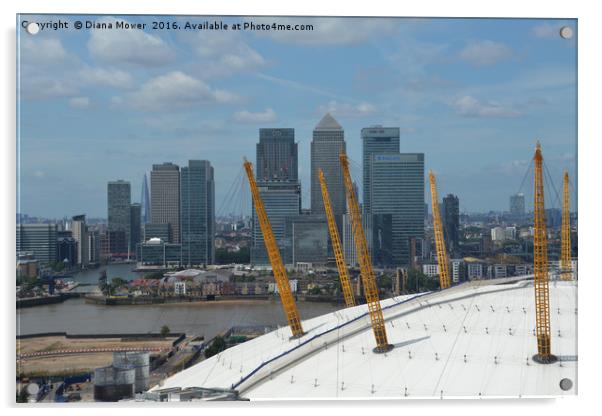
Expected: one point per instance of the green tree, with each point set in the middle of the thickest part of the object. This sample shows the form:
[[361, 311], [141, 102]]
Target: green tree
[[217, 346], [165, 331]]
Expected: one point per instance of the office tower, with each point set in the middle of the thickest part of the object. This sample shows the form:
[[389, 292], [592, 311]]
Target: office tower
[[327, 144], [276, 155], [197, 189], [79, 231], [451, 222], [376, 140], [160, 231], [40, 239], [308, 236], [119, 200], [281, 200], [135, 226], [517, 205], [67, 251], [397, 205], [165, 198], [144, 203], [93, 246], [349, 250]]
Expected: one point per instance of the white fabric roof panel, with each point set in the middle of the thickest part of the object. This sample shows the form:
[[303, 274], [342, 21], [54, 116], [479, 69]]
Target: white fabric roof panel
[[469, 340]]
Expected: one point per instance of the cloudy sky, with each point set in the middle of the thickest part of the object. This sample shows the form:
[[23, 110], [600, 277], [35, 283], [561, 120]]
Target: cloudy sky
[[472, 94]]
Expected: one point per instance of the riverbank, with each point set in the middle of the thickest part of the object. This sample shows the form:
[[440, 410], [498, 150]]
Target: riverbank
[[223, 300], [46, 300]]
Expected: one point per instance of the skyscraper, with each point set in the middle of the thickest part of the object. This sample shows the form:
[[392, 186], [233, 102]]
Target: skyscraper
[[197, 190], [397, 205], [165, 198], [327, 144], [135, 226], [41, 239], [281, 200], [451, 222], [276, 155], [79, 231], [144, 202], [376, 140], [118, 202], [517, 205]]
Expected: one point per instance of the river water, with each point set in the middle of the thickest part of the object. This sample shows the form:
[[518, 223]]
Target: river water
[[75, 316]]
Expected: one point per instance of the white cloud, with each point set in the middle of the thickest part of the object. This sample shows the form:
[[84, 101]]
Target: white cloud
[[548, 30], [79, 102], [110, 77], [173, 90], [485, 52], [36, 87], [327, 30], [224, 53], [45, 51], [468, 106], [336, 108], [267, 116], [125, 46]]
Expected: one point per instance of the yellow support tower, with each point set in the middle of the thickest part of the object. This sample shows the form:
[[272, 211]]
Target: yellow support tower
[[540, 263], [366, 271], [336, 244], [439, 240], [284, 289], [566, 272]]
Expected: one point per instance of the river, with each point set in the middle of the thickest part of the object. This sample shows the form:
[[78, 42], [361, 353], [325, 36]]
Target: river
[[75, 316]]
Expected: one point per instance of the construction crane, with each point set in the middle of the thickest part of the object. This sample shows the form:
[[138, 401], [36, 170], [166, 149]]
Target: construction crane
[[284, 289], [336, 244], [366, 271], [540, 265], [566, 271], [439, 240]]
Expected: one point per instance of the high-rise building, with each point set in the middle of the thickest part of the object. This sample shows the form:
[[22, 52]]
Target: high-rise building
[[119, 200], [144, 202], [517, 205], [160, 231], [67, 251], [79, 231], [308, 236], [40, 239], [93, 246], [276, 155], [165, 198], [197, 190], [375, 140], [135, 226], [349, 250], [451, 222], [396, 195], [281, 200], [327, 144]]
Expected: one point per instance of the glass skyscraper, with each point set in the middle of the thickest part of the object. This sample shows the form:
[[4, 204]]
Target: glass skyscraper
[[451, 222], [144, 202], [41, 239], [281, 200], [375, 140], [396, 195], [327, 144], [165, 198], [118, 202], [197, 189], [276, 155]]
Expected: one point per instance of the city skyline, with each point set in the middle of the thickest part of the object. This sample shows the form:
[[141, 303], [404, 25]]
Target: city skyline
[[484, 95]]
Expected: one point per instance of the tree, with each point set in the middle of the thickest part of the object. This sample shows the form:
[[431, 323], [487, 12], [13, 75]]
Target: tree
[[165, 331], [217, 346]]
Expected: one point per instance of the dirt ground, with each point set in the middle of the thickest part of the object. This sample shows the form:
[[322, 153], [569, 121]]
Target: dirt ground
[[72, 364]]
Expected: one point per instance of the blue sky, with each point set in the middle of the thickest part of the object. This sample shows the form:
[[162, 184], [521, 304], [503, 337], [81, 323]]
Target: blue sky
[[472, 94]]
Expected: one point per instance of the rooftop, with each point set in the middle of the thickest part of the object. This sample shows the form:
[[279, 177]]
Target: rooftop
[[475, 339]]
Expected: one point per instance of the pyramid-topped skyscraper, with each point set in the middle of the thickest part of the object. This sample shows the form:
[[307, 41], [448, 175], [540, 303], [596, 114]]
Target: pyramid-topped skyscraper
[[327, 144]]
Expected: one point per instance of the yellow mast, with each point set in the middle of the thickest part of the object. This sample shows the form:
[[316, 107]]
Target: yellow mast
[[366, 271], [336, 244], [439, 240], [284, 289], [565, 255], [540, 263]]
